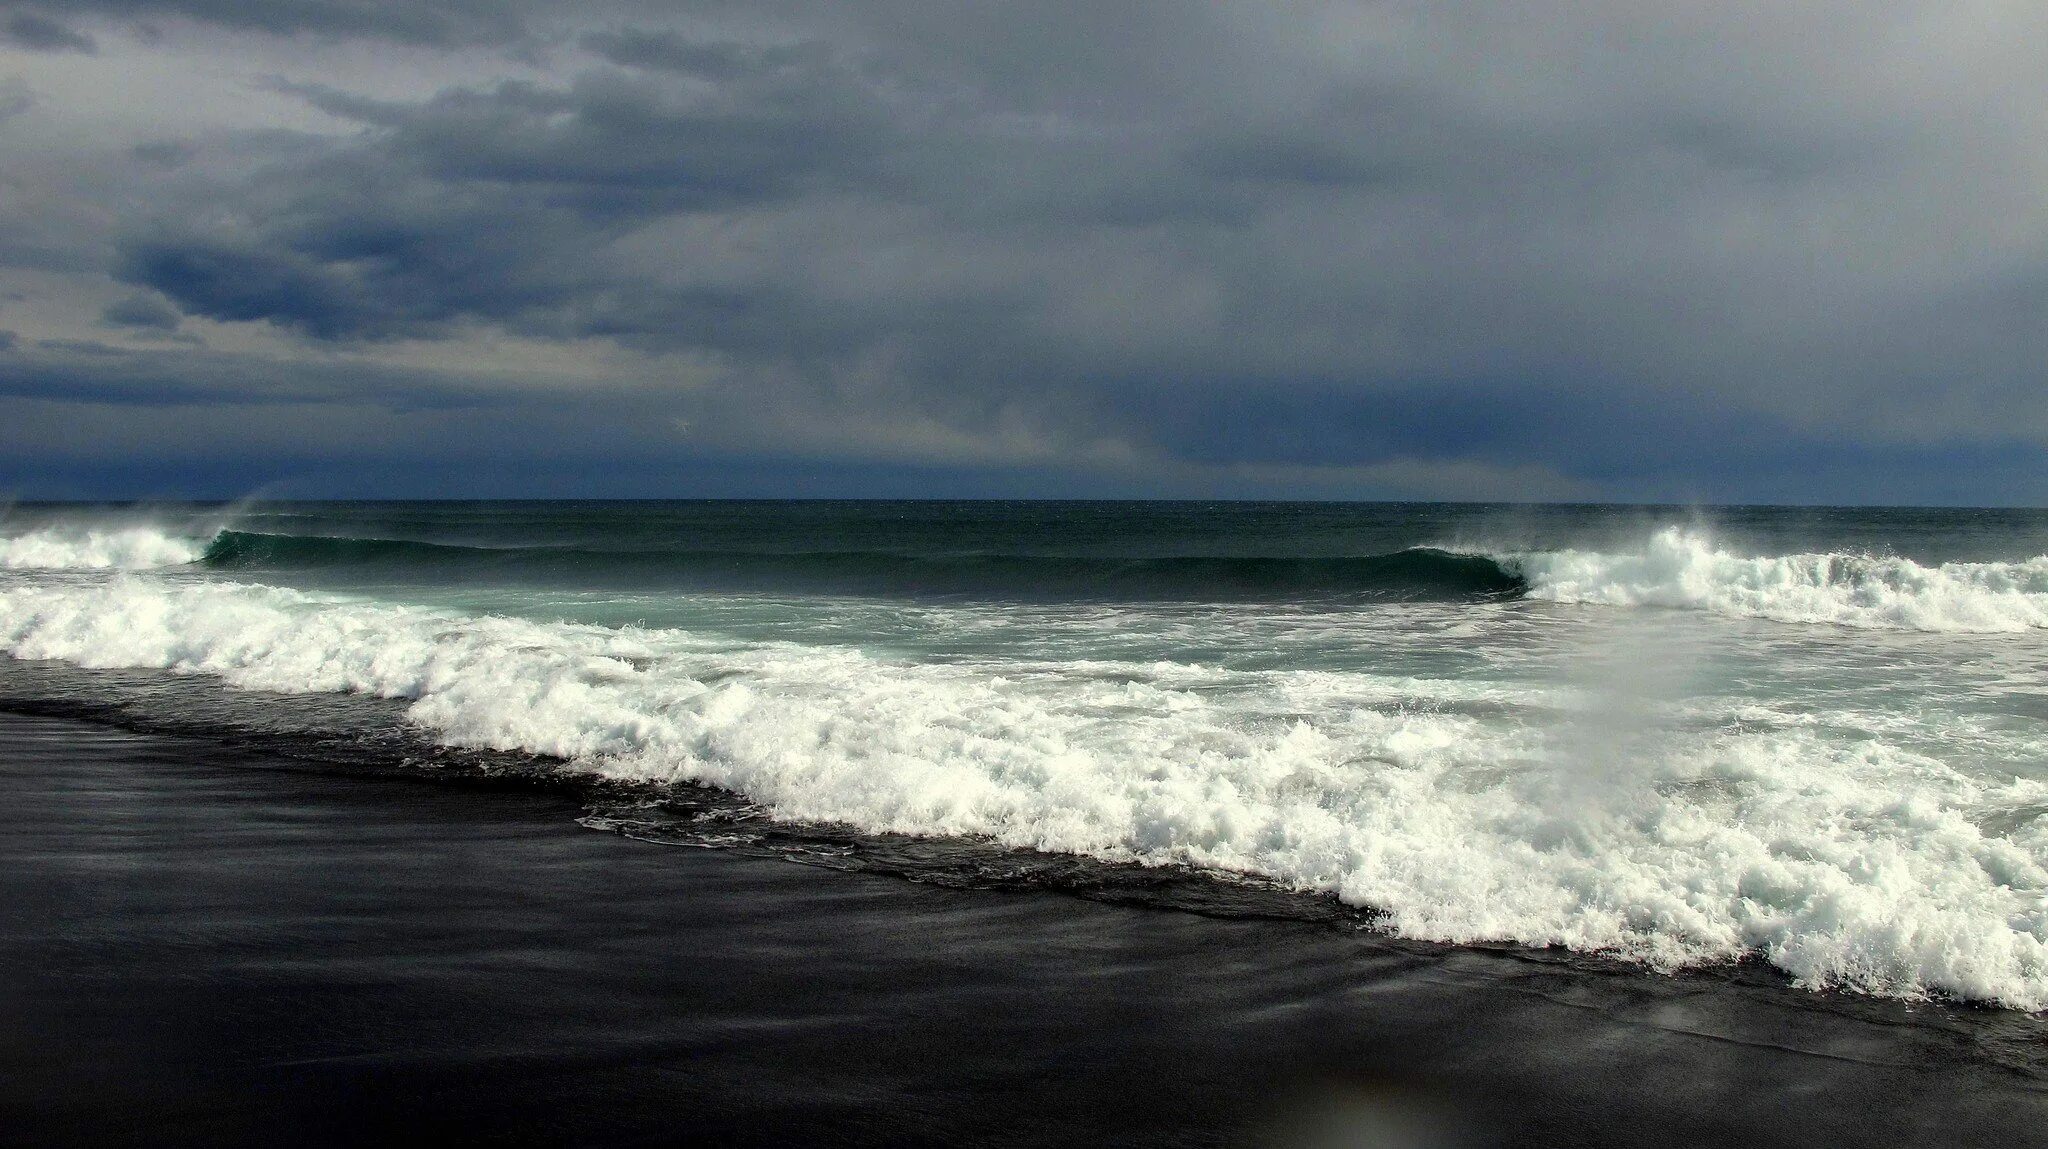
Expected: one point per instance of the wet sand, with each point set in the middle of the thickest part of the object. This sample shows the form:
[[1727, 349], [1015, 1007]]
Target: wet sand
[[217, 946]]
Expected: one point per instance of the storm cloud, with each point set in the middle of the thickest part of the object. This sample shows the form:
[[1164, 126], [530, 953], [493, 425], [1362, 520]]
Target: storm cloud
[[443, 23], [1622, 251], [41, 34]]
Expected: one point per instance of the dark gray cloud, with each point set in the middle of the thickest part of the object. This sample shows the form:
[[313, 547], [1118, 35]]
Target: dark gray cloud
[[494, 204], [87, 371], [442, 23], [142, 310], [39, 33], [1636, 249]]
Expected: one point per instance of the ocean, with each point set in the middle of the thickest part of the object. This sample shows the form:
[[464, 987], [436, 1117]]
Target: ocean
[[1642, 822], [1815, 738]]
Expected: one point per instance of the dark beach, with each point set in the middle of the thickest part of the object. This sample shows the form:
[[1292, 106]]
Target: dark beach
[[209, 945]]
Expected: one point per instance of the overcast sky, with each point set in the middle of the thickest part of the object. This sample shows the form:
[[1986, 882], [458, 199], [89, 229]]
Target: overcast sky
[[1635, 250]]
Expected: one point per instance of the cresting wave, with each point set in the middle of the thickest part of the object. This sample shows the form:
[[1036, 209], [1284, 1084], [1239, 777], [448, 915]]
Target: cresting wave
[[1681, 569], [1853, 863], [1416, 573], [99, 548], [1675, 569]]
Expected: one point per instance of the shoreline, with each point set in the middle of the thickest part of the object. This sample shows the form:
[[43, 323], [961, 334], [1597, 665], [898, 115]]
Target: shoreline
[[352, 736], [211, 949]]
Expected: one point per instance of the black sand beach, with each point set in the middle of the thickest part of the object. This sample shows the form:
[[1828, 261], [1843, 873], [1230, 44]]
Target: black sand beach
[[209, 946]]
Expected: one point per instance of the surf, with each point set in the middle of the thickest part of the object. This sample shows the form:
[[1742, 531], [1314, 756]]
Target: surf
[[1855, 863], [1683, 570], [96, 547]]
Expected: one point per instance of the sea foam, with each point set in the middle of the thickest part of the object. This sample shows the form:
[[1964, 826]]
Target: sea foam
[[1854, 863], [99, 548], [1683, 569]]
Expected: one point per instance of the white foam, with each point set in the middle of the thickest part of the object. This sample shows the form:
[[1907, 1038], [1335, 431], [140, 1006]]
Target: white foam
[[98, 548], [1683, 569], [1847, 862]]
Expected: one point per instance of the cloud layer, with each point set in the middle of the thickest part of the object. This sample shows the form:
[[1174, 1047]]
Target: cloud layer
[[1626, 251]]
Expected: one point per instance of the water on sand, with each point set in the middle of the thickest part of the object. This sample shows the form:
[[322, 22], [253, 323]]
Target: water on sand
[[217, 945]]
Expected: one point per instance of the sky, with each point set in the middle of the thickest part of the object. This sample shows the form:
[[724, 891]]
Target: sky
[[1629, 251]]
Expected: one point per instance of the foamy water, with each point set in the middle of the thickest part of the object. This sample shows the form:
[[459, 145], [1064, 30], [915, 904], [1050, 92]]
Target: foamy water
[[140, 547], [1557, 794], [1679, 569]]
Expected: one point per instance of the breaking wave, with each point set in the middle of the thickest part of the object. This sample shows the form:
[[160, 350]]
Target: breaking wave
[[1848, 863], [1681, 569], [99, 548], [1417, 573], [1674, 569]]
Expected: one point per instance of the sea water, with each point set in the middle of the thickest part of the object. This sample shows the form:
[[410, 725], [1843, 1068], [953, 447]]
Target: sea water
[[1815, 737]]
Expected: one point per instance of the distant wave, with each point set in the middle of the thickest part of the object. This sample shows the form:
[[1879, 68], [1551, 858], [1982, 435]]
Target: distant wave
[[1418, 573], [232, 548], [1682, 569], [1673, 569]]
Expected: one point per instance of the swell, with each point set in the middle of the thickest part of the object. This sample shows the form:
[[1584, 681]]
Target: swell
[[1420, 573], [1671, 569]]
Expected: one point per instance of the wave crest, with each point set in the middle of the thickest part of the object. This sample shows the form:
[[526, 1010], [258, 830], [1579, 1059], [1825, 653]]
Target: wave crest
[[1682, 569], [99, 548], [1847, 863], [1418, 573], [1675, 569]]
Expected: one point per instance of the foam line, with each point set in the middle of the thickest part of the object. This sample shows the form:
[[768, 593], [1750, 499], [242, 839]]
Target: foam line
[[1848, 863]]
